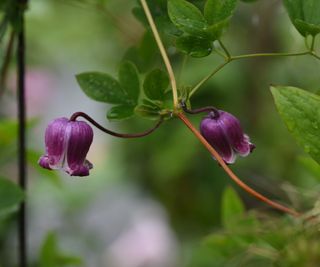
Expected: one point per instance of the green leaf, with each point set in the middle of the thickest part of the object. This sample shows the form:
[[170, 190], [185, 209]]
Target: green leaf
[[122, 112], [232, 208], [50, 256], [187, 17], [129, 80], [155, 84], [305, 15], [101, 87], [216, 11], [218, 14], [11, 195], [148, 111], [300, 110], [194, 46], [145, 55]]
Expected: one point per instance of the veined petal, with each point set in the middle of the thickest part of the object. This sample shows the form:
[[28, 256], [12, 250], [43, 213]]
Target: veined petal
[[79, 136], [55, 143], [237, 139], [212, 131]]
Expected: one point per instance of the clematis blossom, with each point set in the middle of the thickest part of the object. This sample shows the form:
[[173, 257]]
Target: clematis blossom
[[224, 133], [67, 144]]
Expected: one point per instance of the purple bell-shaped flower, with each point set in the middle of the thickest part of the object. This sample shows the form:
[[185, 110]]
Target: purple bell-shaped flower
[[224, 133], [67, 144]]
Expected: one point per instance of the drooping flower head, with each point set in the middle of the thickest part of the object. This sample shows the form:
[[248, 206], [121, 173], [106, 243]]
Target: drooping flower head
[[224, 133], [67, 144]]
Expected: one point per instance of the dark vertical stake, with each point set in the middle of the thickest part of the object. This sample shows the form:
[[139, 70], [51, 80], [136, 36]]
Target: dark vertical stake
[[22, 233]]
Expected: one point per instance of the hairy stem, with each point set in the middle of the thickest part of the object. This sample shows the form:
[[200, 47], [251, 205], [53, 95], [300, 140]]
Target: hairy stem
[[120, 135], [22, 166], [231, 174], [163, 52]]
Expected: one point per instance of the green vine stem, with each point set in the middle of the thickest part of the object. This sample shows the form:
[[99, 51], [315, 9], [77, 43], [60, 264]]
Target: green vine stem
[[230, 58], [163, 52]]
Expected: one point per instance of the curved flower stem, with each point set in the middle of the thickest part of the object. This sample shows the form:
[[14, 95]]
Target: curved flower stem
[[120, 135], [231, 174], [163, 52], [200, 110]]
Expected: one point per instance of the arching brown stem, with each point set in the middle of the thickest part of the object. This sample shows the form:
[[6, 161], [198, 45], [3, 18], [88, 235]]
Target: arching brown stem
[[231, 174]]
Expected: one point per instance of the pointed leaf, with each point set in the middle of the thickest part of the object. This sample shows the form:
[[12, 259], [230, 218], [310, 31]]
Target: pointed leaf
[[194, 46], [121, 112], [232, 208], [300, 110], [129, 80], [101, 87], [187, 17], [155, 84], [11, 196], [305, 15]]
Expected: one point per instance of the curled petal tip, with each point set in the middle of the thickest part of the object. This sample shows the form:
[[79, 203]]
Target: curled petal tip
[[44, 162]]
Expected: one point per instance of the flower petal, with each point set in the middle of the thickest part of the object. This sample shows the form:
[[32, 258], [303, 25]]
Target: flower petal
[[237, 139], [44, 162], [212, 131], [55, 142], [80, 136]]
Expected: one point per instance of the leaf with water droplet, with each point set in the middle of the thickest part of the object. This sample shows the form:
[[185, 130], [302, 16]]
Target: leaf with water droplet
[[101, 87], [300, 111]]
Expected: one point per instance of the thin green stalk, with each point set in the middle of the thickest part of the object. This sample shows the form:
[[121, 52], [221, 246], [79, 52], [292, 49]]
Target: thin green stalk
[[248, 56], [199, 84], [224, 49], [270, 55], [312, 43], [183, 64], [162, 51]]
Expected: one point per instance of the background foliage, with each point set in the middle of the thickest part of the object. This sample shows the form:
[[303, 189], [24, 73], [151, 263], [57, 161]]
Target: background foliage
[[106, 48]]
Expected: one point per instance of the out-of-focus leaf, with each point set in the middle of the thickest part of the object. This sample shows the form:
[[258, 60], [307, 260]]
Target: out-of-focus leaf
[[8, 132], [102, 87], [155, 84], [33, 157], [129, 80], [144, 56], [11, 196], [50, 256], [232, 208], [311, 166], [148, 111], [218, 14], [194, 46], [300, 110], [187, 17], [219, 10], [121, 112], [305, 15]]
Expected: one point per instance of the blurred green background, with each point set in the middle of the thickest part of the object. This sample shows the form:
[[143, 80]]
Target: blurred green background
[[150, 201]]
